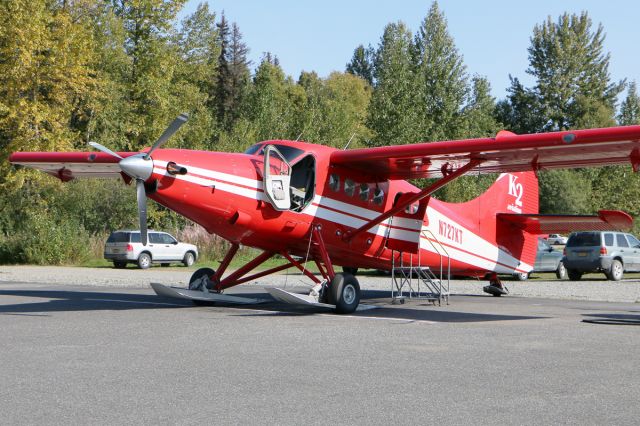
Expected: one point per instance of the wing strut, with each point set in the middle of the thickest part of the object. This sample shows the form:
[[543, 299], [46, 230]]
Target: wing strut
[[448, 176]]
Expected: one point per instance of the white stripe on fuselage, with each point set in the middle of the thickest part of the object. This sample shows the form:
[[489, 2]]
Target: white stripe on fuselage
[[474, 250]]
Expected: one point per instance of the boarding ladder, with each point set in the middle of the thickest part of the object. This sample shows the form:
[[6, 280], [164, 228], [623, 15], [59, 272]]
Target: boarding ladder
[[421, 282]]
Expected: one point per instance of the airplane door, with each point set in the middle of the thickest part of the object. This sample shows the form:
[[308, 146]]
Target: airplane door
[[277, 178]]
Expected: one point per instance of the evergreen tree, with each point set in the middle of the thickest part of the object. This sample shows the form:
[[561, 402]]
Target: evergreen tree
[[441, 83], [571, 70], [480, 112], [233, 75], [361, 63], [392, 115], [630, 108]]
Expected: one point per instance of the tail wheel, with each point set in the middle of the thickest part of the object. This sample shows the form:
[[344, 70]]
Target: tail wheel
[[616, 271], [344, 292]]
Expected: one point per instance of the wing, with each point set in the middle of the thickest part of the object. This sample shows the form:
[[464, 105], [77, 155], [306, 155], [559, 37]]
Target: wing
[[606, 220], [70, 165], [507, 152]]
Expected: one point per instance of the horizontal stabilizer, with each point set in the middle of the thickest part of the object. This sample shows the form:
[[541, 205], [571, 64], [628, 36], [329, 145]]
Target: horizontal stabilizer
[[605, 220]]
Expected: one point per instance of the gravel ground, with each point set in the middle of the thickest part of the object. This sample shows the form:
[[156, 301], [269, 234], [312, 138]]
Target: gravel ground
[[601, 290]]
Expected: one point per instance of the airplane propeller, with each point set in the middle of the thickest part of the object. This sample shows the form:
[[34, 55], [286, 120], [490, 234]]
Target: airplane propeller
[[140, 168]]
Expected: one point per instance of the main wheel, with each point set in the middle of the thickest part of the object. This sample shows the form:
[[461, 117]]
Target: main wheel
[[350, 270], [574, 275], [344, 292], [561, 272], [119, 264], [616, 271], [189, 259], [197, 275], [144, 260]]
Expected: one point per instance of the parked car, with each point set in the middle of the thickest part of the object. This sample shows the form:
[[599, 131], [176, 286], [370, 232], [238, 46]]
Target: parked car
[[124, 247], [547, 260], [601, 251], [557, 239]]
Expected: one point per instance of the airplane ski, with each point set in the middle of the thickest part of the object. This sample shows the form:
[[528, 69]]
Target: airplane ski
[[305, 300], [183, 293]]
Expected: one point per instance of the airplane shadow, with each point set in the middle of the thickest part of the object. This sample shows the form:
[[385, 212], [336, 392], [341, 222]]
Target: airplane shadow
[[613, 319], [79, 301]]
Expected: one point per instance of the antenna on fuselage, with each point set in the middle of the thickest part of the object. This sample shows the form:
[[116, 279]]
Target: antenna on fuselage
[[348, 143]]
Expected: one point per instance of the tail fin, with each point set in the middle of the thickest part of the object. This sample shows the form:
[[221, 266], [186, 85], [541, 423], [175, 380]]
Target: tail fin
[[510, 193]]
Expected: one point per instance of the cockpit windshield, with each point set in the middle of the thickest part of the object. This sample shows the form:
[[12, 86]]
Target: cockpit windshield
[[288, 152]]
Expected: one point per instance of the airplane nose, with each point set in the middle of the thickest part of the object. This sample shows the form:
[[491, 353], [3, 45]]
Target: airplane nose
[[137, 167]]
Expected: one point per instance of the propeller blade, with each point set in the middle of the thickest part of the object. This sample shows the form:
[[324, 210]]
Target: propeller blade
[[104, 149], [173, 127], [142, 209]]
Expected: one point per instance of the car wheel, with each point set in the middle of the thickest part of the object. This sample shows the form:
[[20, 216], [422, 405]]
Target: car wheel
[[561, 272], [574, 275], [522, 276], [144, 261], [616, 271], [119, 265], [189, 259]]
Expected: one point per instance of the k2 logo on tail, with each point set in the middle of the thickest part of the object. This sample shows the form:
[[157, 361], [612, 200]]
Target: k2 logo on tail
[[517, 190]]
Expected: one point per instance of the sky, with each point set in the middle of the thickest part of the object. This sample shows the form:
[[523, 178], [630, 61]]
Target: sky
[[491, 35]]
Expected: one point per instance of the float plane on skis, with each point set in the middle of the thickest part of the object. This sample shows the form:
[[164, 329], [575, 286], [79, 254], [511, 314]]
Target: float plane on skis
[[355, 208]]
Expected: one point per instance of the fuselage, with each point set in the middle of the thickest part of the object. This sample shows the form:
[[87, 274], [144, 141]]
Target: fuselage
[[225, 193]]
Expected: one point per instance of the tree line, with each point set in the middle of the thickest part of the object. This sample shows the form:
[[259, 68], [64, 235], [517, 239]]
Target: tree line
[[117, 71]]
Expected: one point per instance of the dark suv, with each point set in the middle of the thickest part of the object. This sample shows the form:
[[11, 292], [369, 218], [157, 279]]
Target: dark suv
[[601, 251]]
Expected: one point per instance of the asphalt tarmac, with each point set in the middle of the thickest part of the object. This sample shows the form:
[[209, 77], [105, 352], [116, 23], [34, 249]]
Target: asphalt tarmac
[[94, 355]]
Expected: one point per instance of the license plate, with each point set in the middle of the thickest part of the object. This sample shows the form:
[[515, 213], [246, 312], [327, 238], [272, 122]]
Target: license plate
[[115, 251], [582, 254]]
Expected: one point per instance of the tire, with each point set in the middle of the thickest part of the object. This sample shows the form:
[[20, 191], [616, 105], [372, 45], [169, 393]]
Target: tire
[[574, 275], [189, 259], [144, 261], [195, 277], [523, 276], [616, 271], [119, 264], [350, 270], [199, 274], [561, 272], [344, 292]]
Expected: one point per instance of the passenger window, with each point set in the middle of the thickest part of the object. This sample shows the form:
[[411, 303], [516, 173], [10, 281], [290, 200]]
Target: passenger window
[[608, 240], [378, 196], [621, 240], [155, 238], [633, 241], [334, 182], [349, 187], [364, 192], [168, 239], [135, 237]]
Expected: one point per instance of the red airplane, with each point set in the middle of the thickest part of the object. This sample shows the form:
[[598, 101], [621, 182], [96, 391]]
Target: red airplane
[[354, 207]]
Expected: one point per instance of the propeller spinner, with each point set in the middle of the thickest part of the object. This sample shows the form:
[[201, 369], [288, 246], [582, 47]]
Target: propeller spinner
[[140, 168]]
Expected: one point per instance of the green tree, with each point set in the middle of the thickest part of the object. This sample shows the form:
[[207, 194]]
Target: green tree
[[45, 71], [441, 83], [392, 116], [571, 70], [361, 63], [630, 108]]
